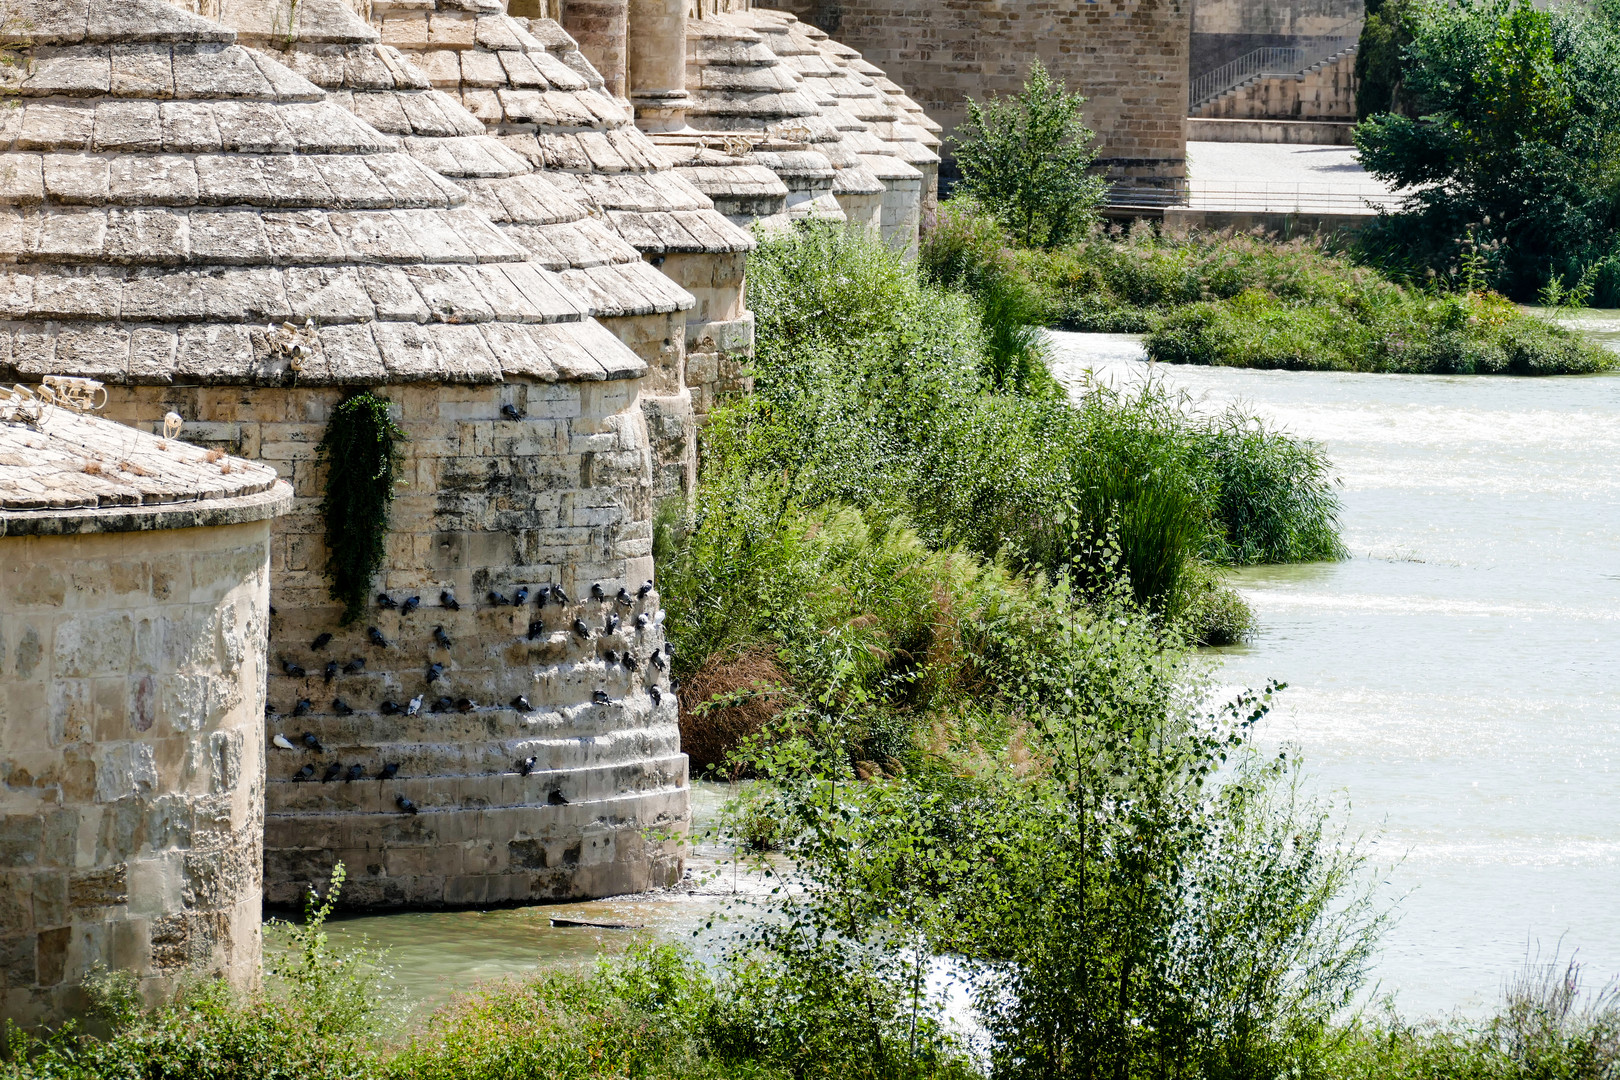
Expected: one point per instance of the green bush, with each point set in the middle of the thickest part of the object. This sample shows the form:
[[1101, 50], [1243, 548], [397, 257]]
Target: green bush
[[1506, 147], [1242, 301], [1469, 334], [1026, 158]]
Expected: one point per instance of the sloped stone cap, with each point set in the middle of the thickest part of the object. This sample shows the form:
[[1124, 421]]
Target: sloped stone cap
[[383, 87], [191, 210], [68, 473], [527, 82]]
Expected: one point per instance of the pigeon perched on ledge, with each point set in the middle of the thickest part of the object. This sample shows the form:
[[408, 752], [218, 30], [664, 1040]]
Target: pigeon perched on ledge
[[355, 772], [376, 637], [292, 669], [448, 599], [282, 741], [312, 742], [440, 638], [389, 771], [410, 605], [405, 804], [304, 774], [526, 766], [332, 772]]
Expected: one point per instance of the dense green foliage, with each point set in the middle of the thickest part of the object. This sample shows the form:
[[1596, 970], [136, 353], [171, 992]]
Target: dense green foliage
[[1379, 60], [1115, 912], [1027, 157], [886, 539], [1242, 301], [1510, 149], [362, 456]]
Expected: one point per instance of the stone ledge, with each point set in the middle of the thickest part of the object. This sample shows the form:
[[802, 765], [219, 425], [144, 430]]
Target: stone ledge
[[113, 519]]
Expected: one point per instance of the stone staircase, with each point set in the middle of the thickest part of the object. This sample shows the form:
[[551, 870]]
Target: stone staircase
[[1281, 84]]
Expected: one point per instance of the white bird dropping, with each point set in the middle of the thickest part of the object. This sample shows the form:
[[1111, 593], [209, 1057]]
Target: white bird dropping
[[415, 706]]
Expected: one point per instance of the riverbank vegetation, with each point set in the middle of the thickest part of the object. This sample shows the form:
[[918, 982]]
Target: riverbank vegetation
[[1031, 249], [1244, 301], [894, 527]]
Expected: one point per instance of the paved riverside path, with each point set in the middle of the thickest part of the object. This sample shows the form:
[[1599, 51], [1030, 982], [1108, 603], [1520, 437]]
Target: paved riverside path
[[1281, 177]]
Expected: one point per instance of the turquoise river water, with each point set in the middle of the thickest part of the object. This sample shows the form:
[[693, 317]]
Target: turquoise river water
[[1455, 683]]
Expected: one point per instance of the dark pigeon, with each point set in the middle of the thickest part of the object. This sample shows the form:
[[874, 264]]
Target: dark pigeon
[[312, 742], [435, 672], [443, 704], [321, 642], [600, 697], [331, 670], [526, 766], [440, 638], [389, 771], [520, 597], [405, 804], [646, 587], [292, 669], [411, 605], [556, 798], [511, 412], [332, 772], [386, 601], [389, 708], [656, 694], [303, 707], [597, 592], [376, 637], [354, 667], [448, 599], [355, 772], [536, 629], [497, 600], [581, 629]]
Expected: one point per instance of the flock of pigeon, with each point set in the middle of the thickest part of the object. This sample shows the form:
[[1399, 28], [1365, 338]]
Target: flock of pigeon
[[546, 594]]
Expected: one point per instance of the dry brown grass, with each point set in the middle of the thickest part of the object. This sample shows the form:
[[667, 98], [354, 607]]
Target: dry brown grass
[[752, 690]]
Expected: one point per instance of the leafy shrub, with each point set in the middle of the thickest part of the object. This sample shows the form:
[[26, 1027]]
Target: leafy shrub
[[1121, 915], [1026, 159]]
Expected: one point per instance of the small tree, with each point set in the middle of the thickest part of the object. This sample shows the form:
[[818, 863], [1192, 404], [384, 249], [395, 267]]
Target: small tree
[[1025, 158]]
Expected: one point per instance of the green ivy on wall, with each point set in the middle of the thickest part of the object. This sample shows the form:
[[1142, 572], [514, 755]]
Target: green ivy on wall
[[362, 457]]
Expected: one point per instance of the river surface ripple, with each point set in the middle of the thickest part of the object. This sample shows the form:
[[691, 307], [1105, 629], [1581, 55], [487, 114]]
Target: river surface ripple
[[1457, 680]]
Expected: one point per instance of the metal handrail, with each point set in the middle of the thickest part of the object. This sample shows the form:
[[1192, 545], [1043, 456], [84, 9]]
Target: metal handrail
[[1253, 196], [1272, 61]]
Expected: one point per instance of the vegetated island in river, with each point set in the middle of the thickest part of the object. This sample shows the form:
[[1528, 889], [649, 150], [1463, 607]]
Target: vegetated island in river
[[1236, 300]]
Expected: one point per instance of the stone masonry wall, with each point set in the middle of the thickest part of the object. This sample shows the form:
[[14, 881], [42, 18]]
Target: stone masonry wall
[[1129, 57], [562, 495], [131, 760]]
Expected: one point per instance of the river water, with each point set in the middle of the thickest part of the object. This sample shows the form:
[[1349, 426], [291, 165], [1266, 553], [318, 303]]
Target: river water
[[1456, 682]]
